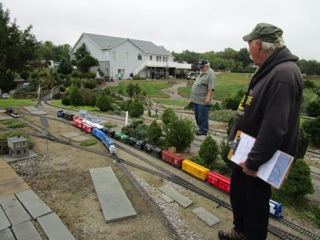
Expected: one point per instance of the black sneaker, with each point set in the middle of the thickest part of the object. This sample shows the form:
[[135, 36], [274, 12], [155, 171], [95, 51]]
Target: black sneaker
[[200, 133], [230, 235]]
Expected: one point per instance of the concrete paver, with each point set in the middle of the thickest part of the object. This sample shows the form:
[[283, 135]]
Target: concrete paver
[[25, 230], [33, 204], [113, 200], [54, 227], [7, 234], [206, 216], [4, 222], [175, 195], [14, 210]]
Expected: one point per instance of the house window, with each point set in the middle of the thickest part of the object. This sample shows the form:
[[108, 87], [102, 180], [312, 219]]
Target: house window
[[158, 58], [19, 152], [150, 58], [113, 55], [126, 56], [139, 56], [165, 59], [17, 144]]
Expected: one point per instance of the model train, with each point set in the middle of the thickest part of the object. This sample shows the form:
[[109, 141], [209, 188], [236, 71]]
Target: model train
[[11, 112], [196, 170]]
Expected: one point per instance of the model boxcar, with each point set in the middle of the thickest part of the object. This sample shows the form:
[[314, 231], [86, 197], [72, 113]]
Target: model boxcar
[[77, 121], [195, 169], [172, 158], [219, 180]]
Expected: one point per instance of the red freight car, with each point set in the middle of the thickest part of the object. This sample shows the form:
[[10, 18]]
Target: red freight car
[[77, 121], [220, 181], [86, 127], [172, 158]]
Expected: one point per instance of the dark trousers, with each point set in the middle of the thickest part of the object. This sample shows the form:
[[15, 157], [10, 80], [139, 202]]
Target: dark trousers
[[201, 113], [250, 202]]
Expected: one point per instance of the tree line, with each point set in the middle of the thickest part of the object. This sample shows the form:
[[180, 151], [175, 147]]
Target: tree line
[[238, 61], [21, 54]]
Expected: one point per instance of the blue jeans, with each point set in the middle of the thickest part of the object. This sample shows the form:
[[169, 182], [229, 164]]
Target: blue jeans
[[201, 113]]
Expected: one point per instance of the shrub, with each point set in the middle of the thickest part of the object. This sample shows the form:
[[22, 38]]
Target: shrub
[[65, 101], [180, 133], [312, 127], [303, 142], [298, 183], [232, 102], [313, 109], [91, 84], [209, 150], [75, 96], [154, 132], [136, 109], [103, 102], [168, 116]]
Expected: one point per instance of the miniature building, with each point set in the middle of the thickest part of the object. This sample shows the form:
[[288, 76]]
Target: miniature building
[[89, 116], [18, 147]]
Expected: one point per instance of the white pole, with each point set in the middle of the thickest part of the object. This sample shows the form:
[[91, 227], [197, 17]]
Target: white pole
[[126, 122]]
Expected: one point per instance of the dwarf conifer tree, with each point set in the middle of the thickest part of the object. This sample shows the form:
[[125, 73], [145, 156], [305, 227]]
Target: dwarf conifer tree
[[209, 150], [298, 183], [103, 102], [154, 132]]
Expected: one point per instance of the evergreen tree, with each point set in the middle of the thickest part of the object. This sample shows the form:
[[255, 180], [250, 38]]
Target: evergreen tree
[[17, 50], [298, 183], [209, 150], [103, 102], [168, 116], [303, 143], [130, 90], [136, 109], [180, 133], [154, 132], [65, 66], [75, 96]]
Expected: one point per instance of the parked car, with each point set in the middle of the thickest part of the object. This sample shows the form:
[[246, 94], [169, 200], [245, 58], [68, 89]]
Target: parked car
[[5, 95]]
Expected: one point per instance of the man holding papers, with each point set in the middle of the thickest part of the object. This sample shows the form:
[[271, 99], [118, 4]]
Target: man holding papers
[[269, 112]]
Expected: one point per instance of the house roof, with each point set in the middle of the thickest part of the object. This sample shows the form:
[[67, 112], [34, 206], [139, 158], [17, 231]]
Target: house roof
[[107, 42]]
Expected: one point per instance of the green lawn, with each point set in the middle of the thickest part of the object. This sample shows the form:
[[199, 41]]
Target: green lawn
[[226, 85], [10, 102], [151, 87]]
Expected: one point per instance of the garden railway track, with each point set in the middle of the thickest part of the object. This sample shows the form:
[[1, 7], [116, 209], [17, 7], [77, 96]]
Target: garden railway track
[[166, 174]]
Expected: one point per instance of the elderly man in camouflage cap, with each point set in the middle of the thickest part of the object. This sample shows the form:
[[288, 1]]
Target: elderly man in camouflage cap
[[269, 112]]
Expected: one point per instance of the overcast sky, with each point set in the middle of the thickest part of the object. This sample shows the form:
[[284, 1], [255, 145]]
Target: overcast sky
[[199, 26]]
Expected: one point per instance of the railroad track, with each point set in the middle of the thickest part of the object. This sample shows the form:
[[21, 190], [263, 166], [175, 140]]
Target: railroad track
[[274, 230]]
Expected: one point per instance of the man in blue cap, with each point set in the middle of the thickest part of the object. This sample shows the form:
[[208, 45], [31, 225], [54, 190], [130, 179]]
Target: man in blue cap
[[269, 112], [201, 96]]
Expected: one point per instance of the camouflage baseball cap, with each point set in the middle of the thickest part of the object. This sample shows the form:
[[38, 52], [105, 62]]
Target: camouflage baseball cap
[[265, 32]]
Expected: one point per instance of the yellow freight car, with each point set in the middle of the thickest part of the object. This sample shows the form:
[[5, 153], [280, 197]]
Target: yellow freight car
[[195, 169]]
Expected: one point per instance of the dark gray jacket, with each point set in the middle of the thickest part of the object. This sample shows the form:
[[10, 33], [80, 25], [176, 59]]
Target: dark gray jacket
[[270, 111]]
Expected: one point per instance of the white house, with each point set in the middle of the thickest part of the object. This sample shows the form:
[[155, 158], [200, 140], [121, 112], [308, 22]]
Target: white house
[[124, 57]]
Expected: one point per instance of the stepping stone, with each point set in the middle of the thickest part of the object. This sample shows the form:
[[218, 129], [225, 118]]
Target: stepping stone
[[4, 221], [14, 210], [54, 227], [175, 195], [25, 230], [206, 216], [113, 200], [34, 205], [7, 234]]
